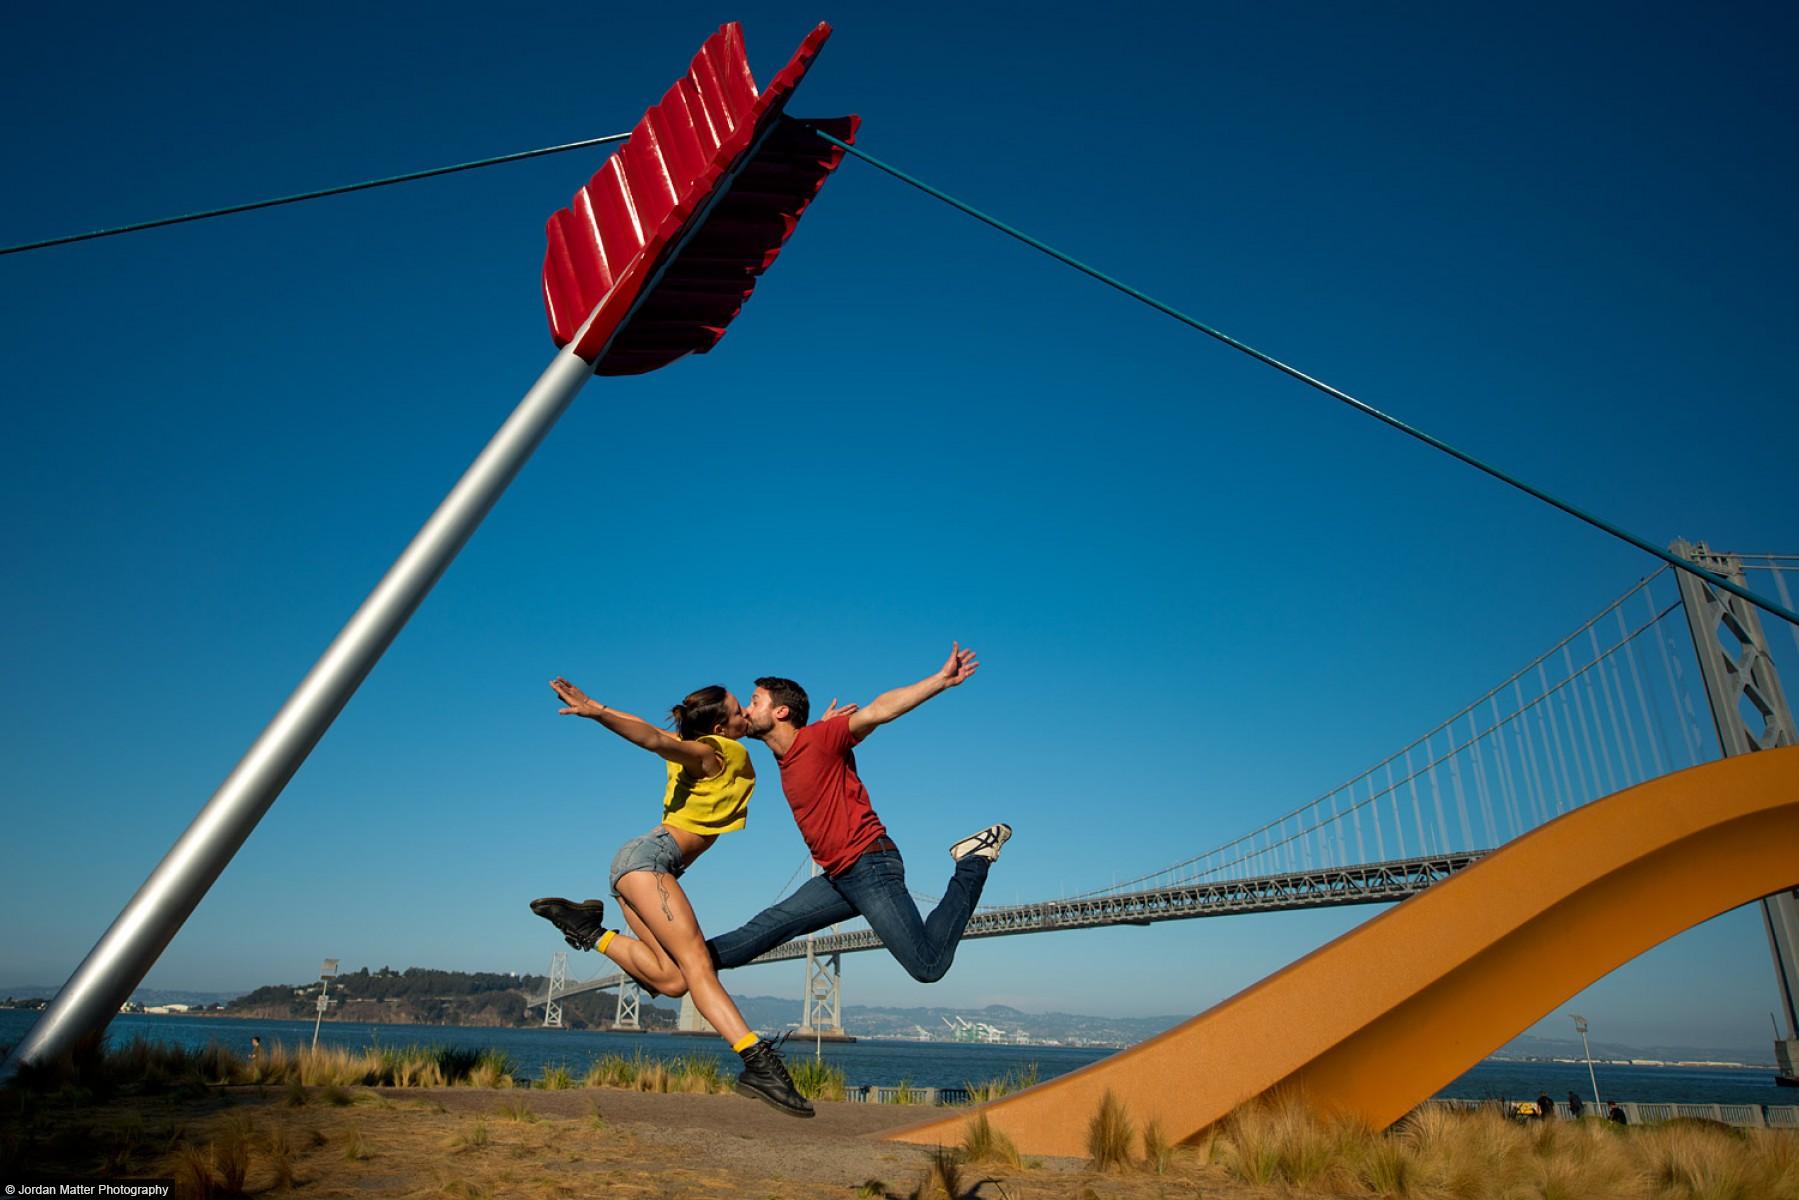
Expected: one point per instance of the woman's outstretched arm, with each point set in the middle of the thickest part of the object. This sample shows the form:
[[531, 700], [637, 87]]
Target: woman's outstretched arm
[[698, 757]]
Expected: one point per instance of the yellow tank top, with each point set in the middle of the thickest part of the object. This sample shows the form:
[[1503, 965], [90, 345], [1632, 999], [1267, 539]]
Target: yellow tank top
[[717, 804]]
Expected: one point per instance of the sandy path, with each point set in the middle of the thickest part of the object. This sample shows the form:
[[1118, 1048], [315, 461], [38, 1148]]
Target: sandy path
[[839, 1148], [500, 1144]]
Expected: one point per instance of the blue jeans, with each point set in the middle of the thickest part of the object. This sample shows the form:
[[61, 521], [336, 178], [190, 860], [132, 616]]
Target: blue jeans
[[874, 887]]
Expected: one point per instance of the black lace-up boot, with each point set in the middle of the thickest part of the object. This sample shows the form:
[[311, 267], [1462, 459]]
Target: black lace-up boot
[[765, 1077], [580, 924]]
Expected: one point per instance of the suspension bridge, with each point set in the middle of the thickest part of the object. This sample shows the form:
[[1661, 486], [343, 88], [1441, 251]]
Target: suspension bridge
[[1566, 819], [1620, 700]]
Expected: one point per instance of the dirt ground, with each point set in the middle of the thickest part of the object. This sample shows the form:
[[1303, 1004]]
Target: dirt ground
[[472, 1144]]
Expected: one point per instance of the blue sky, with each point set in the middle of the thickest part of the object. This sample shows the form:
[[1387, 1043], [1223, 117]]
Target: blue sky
[[1202, 594]]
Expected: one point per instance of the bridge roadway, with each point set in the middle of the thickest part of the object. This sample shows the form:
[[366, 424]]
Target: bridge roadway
[[1325, 887]]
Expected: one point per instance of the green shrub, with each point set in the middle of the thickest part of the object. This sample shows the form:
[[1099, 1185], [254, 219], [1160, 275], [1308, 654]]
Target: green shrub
[[556, 1078], [817, 1079], [1011, 1081]]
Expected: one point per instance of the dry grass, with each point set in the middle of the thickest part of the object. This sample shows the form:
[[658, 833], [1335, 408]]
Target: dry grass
[[1277, 1151], [817, 1079], [1110, 1136], [1005, 1085], [417, 1071], [700, 1073], [454, 1187], [355, 1146], [231, 1153], [1158, 1152], [472, 1138], [219, 1168], [905, 1093], [516, 1109], [1708, 1162], [326, 1074], [557, 1078], [417, 1149], [1441, 1154], [609, 1070], [144, 1067], [983, 1143], [942, 1179], [1387, 1169], [191, 1168], [1777, 1152], [1280, 1141], [278, 1145], [130, 1137], [294, 1094], [492, 1070], [692, 1073]]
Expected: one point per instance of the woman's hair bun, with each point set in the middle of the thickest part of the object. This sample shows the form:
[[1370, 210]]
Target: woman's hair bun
[[700, 713]]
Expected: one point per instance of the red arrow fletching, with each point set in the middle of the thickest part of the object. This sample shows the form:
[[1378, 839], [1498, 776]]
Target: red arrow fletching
[[666, 241]]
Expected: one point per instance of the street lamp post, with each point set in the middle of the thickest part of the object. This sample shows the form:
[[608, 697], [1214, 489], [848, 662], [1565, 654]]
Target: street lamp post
[[327, 972], [1580, 1027]]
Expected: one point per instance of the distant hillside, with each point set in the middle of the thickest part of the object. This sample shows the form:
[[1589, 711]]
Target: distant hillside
[[770, 1012], [1541, 1047], [43, 991], [422, 996]]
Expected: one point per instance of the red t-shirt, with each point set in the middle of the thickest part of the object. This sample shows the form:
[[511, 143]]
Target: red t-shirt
[[830, 805]]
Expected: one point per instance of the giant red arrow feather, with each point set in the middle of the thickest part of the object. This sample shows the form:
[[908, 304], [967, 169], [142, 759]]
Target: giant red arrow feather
[[662, 247]]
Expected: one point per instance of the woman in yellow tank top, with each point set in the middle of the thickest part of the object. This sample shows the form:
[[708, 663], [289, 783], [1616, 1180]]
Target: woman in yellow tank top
[[710, 780]]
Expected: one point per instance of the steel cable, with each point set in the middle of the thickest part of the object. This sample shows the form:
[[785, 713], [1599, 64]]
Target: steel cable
[[1597, 522], [334, 191]]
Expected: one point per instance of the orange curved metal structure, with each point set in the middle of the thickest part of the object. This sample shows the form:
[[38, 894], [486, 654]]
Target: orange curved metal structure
[[1375, 1022]]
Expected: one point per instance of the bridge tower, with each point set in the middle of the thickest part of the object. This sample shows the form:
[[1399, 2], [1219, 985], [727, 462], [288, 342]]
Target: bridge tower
[[822, 1004], [630, 1001], [1751, 713], [824, 994], [689, 1020], [552, 1004]]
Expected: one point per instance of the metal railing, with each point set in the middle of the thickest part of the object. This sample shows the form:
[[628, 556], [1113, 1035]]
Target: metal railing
[[1636, 1112], [1646, 1112]]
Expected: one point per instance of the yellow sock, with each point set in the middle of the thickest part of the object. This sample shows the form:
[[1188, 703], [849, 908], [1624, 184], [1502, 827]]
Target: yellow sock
[[605, 940], [745, 1042]]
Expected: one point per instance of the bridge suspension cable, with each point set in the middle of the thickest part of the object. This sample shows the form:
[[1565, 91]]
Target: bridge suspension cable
[[1604, 708], [1614, 703], [1588, 717], [1777, 567]]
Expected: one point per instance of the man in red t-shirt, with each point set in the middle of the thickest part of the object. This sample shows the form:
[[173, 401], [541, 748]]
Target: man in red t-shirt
[[863, 874]]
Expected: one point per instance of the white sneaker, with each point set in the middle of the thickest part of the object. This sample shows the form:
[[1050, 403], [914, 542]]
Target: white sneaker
[[984, 844]]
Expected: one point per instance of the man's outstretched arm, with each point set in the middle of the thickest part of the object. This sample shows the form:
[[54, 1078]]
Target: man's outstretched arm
[[900, 701]]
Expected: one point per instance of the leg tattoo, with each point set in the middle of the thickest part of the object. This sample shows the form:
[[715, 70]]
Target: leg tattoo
[[662, 890]]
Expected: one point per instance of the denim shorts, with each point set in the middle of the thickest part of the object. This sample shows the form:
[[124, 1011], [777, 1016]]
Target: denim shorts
[[655, 851]]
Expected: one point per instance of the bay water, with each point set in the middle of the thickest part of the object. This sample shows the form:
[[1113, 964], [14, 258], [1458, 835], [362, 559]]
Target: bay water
[[888, 1063]]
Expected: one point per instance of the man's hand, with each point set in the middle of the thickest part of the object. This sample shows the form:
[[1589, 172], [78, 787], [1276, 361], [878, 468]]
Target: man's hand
[[831, 710], [961, 665], [900, 701], [576, 700]]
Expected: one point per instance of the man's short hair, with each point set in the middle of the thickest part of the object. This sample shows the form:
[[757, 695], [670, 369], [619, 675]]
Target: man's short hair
[[786, 691]]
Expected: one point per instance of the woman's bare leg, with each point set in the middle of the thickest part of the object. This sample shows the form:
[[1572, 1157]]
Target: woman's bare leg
[[644, 958], [667, 919]]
